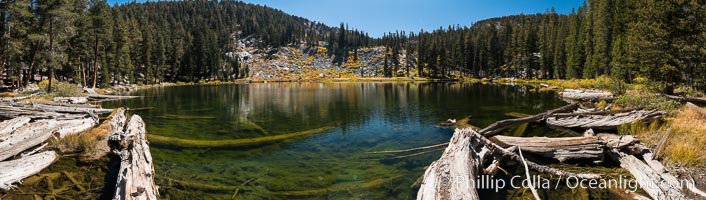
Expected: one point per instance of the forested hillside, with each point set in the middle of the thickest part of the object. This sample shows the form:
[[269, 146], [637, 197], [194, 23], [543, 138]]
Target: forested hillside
[[664, 41], [93, 44]]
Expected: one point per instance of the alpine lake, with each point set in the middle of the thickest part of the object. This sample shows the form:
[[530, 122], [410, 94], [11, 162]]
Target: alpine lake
[[342, 128]]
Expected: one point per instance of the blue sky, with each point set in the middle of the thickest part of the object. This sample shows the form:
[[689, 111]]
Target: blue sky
[[380, 16]]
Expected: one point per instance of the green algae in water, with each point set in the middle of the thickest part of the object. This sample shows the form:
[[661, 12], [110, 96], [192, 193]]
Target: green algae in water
[[367, 116], [68, 178], [234, 143]]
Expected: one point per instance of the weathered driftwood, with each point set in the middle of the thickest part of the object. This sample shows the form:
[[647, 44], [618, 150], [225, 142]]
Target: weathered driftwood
[[113, 125], [563, 149], [589, 147], [70, 100], [602, 112], [527, 174], [74, 126], [532, 165], [687, 99], [696, 108], [26, 137], [14, 171], [453, 175], [586, 95], [7, 127], [65, 109], [505, 124], [85, 105], [102, 97], [14, 99], [658, 184], [11, 111], [602, 122], [136, 174], [672, 180]]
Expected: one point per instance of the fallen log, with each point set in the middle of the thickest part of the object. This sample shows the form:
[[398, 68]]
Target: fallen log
[[453, 175], [659, 185], [7, 127], [696, 108], [74, 110], [26, 137], [563, 149], [498, 126], [234, 143], [687, 99], [14, 171], [73, 126], [602, 122], [113, 125], [102, 97], [86, 105], [14, 99], [532, 165], [70, 100], [586, 95], [10, 112], [527, 174], [136, 174], [604, 112]]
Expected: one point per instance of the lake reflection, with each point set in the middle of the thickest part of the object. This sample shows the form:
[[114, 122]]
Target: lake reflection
[[334, 164]]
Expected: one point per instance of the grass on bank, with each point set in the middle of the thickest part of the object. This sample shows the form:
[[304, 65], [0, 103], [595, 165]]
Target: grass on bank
[[686, 141]]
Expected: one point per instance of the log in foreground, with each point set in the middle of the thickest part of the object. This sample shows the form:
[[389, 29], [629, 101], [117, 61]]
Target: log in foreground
[[74, 126], [454, 174], [235, 143], [14, 171], [564, 149], [499, 126], [602, 122], [136, 174], [658, 184], [26, 137], [114, 124], [9, 126]]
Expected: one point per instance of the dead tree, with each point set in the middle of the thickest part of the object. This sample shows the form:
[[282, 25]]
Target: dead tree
[[136, 174], [14, 171]]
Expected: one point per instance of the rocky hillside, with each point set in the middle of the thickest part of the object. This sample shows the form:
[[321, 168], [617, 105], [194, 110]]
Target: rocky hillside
[[304, 62]]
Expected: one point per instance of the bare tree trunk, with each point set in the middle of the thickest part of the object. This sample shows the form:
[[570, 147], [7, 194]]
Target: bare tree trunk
[[95, 62], [136, 174], [51, 51], [453, 175], [659, 185], [15, 170]]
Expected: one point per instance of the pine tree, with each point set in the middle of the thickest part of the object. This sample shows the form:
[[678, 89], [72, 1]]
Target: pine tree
[[602, 37], [100, 29], [57, 22], [16, 27]]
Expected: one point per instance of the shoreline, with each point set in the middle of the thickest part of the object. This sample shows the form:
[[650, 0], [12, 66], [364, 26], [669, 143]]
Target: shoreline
[[682, 169]]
